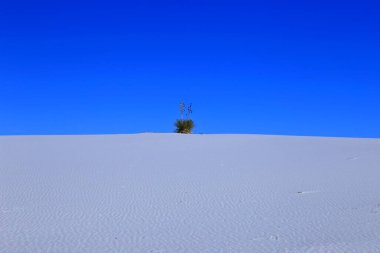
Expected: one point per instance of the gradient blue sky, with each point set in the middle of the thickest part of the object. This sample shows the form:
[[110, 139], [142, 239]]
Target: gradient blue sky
[[265, 67]]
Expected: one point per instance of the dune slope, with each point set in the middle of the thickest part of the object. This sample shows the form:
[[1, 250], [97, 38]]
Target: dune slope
[[189, 193]]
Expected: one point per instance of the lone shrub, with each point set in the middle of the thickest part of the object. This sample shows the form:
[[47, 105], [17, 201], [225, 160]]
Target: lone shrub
[[184, 126]]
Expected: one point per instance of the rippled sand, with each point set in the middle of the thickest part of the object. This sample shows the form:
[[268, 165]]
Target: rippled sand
[[188, 193]]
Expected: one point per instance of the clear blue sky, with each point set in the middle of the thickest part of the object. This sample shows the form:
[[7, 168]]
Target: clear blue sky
[[265, 67]]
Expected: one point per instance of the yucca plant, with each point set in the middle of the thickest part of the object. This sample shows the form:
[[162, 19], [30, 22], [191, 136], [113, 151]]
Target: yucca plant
[[184, 126]]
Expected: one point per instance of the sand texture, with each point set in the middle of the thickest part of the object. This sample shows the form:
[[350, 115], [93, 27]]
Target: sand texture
[[188, 193]]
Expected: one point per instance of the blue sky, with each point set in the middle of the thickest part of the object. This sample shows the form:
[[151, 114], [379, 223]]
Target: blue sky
[[265, 67]]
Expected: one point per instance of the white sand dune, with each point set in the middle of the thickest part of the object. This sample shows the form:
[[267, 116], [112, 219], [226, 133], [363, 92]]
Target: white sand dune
[[196, 193]]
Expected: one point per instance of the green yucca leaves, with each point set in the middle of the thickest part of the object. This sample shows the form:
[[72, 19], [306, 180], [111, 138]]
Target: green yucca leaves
[[184, 126]]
